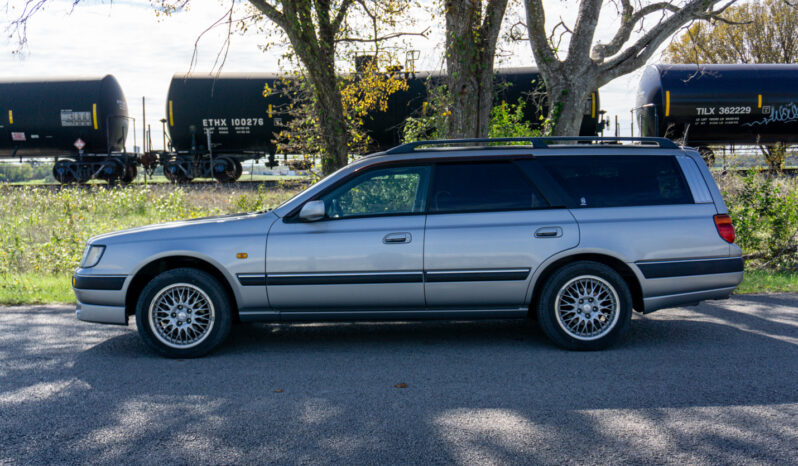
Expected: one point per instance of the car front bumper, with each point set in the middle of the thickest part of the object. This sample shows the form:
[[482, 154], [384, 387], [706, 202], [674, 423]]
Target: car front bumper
[[100, 298]]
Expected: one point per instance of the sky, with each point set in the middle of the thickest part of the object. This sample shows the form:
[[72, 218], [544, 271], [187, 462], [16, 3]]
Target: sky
[[126, 39]]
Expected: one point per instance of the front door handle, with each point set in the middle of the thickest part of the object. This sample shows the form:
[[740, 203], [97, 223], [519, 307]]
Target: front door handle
[[548, 232], [397, 238]]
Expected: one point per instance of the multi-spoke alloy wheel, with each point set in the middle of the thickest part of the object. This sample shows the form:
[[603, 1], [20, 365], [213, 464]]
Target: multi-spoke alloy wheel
[[587, 307], [182, 315]]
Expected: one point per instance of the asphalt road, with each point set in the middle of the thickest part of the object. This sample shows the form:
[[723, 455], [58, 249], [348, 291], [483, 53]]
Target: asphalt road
[[712, 384]]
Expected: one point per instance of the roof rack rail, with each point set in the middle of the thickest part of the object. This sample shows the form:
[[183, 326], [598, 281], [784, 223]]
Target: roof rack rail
[[664, 143], [410, 147], [536, 142]]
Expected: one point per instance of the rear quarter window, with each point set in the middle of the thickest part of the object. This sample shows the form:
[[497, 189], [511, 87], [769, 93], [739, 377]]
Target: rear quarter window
[[619, 181]]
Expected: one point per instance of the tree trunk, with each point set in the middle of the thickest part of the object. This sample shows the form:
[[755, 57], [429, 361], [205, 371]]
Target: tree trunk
[[471, 95], [567, 105], [775, 155], [470, 50], [332, 121]]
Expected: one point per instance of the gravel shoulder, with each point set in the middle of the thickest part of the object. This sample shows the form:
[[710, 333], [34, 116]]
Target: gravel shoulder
[[717, 383]]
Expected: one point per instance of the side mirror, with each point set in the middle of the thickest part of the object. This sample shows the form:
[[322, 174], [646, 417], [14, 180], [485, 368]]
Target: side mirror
[[312, 211]]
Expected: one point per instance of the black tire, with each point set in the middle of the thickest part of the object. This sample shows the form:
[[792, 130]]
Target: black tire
[[612, 288], [224, 169], [239, 169], [129, 175], [62, 171], [217, 326]]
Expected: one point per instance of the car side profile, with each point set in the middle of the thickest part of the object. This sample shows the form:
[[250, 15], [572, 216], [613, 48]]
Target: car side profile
[[575, 232]]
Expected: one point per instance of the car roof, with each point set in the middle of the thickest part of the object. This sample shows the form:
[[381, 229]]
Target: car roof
[[544, 146]]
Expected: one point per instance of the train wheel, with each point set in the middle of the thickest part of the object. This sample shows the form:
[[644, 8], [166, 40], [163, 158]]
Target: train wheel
[[239, 168], [111, 170], [129, 175], [708, 155], [224, 170], [174, 173], [62, 172]]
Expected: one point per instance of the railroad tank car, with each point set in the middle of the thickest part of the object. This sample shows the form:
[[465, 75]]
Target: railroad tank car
[[511, 84], [83, 120], [216, 122], [237, 114], [703, 105]]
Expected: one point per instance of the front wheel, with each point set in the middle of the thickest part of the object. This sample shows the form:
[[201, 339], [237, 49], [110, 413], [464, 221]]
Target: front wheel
[[183, 313], [585, 306]]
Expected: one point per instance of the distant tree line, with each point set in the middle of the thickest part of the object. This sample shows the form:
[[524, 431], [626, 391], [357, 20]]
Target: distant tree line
[[13, 172]]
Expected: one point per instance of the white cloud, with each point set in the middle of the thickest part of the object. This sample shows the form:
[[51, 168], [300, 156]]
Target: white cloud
[[124, 38]]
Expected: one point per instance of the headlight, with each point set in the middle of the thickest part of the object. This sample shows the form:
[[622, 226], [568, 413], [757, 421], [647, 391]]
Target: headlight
[[92, 256]]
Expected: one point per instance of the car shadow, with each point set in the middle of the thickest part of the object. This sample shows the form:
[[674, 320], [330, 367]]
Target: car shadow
[[688, 384]]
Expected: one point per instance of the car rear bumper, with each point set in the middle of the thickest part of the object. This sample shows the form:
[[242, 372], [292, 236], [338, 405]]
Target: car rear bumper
[[675, 283]]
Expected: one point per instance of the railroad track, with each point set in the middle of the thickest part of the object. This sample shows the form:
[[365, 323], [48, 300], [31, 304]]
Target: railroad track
[[252, 185]]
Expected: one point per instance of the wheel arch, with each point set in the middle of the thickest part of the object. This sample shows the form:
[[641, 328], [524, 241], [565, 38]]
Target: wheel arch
[[163, 264], [617, 264]]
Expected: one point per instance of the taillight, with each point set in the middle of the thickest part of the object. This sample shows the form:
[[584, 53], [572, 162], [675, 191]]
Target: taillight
[[725, 228]]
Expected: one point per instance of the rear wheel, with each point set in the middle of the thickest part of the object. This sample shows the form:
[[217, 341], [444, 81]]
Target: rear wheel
[[585, 306], [183, 313]]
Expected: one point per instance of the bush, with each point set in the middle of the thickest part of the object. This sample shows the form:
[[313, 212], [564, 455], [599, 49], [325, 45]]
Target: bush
[[43, 231], [764, 210]]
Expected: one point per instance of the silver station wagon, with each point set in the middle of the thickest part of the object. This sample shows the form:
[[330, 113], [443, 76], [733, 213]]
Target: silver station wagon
[[573, 232]]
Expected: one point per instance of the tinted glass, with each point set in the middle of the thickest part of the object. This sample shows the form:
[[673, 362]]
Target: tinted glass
[[386, 191], [600, 181], [463, 187]]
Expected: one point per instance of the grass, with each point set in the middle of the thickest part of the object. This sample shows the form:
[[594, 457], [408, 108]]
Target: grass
[[768, 281], [31, 288], [160, 179], [43, 231]]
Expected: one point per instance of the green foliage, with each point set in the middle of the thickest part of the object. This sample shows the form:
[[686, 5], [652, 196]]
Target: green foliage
[[32, 288], [434, 118], [768, 281], [12, 172], [765, 215], [43, 231], [507, 121]]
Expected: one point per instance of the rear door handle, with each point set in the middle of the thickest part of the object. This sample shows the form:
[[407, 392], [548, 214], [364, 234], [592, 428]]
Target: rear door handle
[[548, 232], [397, 238]]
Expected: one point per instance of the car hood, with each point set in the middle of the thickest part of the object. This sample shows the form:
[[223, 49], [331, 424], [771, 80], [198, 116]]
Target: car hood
[[204, 226]]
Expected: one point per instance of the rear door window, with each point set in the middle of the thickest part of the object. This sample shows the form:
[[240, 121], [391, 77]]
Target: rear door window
[[619, 181], [482, 186]]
